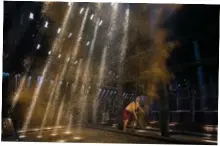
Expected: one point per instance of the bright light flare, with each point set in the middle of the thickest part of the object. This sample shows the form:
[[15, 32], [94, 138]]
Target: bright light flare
[[100, 23], [31, 16], [49, 52], [18, 92], [91, 16], [68, 59], [59, 55], [67, 132], [87, 43], [58, 30], [22, 136], [54, 134], [70, 34], [38, 46], [77, 138], [39, 136], [81, 10], [79, 36], [46, 24]]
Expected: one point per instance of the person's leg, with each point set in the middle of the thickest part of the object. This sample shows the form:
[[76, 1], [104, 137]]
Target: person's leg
[[125, 124]]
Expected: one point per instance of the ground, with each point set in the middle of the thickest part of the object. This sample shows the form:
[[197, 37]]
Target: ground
[[88, 136]]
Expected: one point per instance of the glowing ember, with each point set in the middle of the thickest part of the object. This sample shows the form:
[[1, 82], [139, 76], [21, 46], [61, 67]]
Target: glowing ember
[[67, 132], [39, 136], [22, 136], [77, 138], [61, 141], [54, 134]]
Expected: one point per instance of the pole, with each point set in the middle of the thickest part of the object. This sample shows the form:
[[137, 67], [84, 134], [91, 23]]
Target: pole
[[164, 112]]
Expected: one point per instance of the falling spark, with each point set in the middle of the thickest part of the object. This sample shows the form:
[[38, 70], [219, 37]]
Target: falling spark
[[49, 52], [39, 136], [61, 141], [87, 43], [22, 136], [70, 34], [77, 138], [81, 10], [58, 30], [91, 16], [100, 23], [38, 46], [46, 24], [31, 16]]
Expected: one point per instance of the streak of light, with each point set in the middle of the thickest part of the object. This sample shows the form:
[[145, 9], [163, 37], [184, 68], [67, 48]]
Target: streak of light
[[58, 30], [63, 27], [48, 63], [100, 23], [91, 16], [61, 140], [79, 37], [83, 96], [81, 10], [101, 75], [46, 24], [70, 34], [31, 16], [38, 46], [22, 136], [60, 112], [77, 138], [49, 52], [74, 86], [48, 107], [103, 59], [18, 92], [39, 136]]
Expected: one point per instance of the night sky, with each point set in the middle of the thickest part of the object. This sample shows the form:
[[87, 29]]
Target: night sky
[[190, 23]]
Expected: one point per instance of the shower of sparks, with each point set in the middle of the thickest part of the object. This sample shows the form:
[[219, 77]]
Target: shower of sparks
[[83, 96], [74, 53], [48, 63], [124, 42], [74, 86], [104, 54]]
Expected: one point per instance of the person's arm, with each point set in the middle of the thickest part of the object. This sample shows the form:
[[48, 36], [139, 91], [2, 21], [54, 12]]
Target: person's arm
[[140, 108], [134, 111]]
